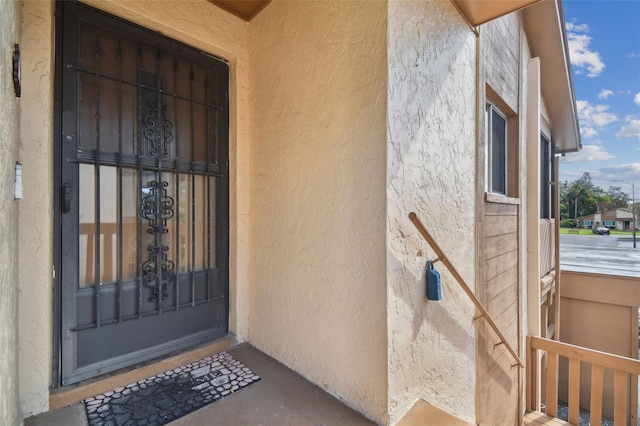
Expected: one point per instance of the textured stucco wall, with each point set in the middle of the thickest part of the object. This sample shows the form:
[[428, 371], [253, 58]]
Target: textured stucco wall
[[318, 298], [9, 133], [430, 170], [36, 214], [197, 23]]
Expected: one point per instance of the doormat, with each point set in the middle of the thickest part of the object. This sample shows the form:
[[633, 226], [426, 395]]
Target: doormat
[[170, 395]]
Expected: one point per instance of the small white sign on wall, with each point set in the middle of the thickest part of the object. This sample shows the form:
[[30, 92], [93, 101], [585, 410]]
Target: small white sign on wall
[[17, 191]]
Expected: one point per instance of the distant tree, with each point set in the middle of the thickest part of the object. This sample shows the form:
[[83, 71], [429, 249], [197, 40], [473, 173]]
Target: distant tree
[[576, 195], [603, 203], [581, 197], [586, 182], [566, 201], [617, 198], [564, 214]]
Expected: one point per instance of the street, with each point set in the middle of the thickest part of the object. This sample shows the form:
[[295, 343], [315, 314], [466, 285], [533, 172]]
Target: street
[[599, 254]]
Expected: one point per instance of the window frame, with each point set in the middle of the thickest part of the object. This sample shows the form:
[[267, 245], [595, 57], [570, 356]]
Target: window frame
[[490, 109], [547, 176]]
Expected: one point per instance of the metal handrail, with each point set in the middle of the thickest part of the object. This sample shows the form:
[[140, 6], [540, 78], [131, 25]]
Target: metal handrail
[[442, 257]]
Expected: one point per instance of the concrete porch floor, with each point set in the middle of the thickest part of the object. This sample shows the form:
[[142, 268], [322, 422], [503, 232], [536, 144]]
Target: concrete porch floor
[[282, 397]]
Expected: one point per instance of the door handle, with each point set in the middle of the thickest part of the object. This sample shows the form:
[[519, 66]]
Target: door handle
[[66, 197]]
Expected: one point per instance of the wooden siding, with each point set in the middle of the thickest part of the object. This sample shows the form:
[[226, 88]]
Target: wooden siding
[[499, 292], [499, 382], [502, 53]]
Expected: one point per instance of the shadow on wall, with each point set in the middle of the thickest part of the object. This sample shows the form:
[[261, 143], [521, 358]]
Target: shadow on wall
[[431, 166], [428, 315], [434, 313], [430, 92], [498, 354]]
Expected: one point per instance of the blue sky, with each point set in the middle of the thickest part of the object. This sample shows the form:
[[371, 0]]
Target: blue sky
[[604, 44]]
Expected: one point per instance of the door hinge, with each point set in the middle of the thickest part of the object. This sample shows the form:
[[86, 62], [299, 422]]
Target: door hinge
[[54, 272]]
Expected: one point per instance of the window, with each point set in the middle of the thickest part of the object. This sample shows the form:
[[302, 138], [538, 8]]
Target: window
[[547, 193], [502, 150], [609, 223], [497, 144], [588, 222]]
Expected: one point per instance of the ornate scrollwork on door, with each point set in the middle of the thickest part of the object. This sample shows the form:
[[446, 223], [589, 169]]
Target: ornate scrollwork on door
[[158, 131], [157, 209]]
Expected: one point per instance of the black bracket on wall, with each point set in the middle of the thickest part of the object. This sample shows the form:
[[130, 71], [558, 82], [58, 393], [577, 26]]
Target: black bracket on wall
[[16, 70]]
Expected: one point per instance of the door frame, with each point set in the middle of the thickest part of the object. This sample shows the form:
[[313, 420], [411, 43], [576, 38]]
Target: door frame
[[222, 213]]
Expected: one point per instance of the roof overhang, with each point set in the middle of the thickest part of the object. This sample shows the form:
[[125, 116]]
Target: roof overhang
[[547, 36], [244, 9], [545, 29], [478, 12]]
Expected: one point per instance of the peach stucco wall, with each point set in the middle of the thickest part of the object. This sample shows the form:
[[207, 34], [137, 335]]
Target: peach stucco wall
[[318, 275], [334, 158], [36, 215], [9, 131], [344, 117], [430, 170]]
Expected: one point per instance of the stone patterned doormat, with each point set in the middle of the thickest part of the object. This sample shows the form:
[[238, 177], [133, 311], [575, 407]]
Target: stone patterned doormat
[[170, 395]]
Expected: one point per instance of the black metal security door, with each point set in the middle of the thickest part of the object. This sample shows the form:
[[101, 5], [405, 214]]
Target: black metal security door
[[143, 200]]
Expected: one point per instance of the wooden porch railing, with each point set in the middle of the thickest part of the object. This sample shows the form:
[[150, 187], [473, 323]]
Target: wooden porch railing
[[621, 366], [483, 312]]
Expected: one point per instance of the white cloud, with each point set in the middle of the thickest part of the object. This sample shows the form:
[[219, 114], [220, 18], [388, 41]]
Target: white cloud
[[588, 153], [629, 172], [582, 57], [571, 175], [604, 94], [594, 115], [622, 168], [577, 28], [636, 99], [605, 176], [588, 132], [631, 130]]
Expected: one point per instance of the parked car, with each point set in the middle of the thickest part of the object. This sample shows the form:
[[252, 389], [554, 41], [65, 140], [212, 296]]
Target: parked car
[[601, 230]]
